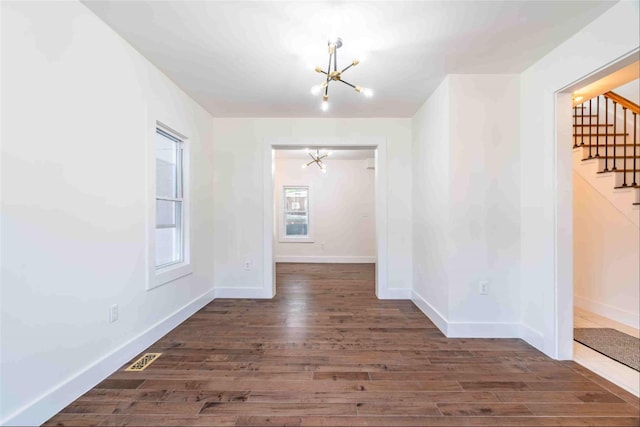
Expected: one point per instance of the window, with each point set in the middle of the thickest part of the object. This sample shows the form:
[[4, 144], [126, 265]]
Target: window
[[169, 200], [295, 214], [168, 217]]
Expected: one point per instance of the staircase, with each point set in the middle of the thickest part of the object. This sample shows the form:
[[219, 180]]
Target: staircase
[[607, 149]]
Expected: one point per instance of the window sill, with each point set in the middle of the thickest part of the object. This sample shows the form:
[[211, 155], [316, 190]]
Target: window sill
[[170, 273], [295, 239]]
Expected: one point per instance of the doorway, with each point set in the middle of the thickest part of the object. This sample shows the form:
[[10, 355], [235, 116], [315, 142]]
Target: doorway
[[376, 145], [599, 220]]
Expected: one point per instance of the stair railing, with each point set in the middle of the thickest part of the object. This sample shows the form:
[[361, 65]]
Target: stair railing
[[616, 100]]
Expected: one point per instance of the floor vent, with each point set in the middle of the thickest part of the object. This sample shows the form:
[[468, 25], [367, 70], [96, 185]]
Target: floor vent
[[142, 363]]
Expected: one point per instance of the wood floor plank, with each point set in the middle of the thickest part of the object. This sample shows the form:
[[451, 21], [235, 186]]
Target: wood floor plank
[[484, 409], [583, 409], [326, 351], [393, 408]]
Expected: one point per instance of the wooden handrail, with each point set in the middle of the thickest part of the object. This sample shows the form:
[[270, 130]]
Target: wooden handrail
[[624, 102]]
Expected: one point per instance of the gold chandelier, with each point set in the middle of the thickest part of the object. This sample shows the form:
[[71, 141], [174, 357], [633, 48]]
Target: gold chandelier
[[317, 159], [335, 75]]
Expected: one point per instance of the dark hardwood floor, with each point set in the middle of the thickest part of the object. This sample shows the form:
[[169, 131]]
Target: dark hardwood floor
[[325, 351]]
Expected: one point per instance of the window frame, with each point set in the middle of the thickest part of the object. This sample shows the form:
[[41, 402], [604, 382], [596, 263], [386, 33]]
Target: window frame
[[283, 237], [160, 275]]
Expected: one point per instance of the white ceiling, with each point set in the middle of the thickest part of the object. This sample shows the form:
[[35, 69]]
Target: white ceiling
[[256, 59], [335, 154]]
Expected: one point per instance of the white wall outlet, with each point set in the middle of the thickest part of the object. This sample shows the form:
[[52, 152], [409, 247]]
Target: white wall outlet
[[113, 313], [247, 265], [484, 287]]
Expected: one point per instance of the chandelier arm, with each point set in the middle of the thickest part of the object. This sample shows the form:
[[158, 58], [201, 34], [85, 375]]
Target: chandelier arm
[[346, 68], [335, 59], [311, 155], [347, 83], [322, 157], [319, 163]]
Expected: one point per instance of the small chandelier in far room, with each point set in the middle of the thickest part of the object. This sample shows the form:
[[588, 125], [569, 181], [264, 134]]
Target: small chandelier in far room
[[317, 159], [335, 75]]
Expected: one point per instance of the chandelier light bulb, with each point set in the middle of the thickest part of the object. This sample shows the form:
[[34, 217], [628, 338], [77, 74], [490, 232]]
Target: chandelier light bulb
[[324, 106], [367, 92], [304, 166], [324, 170], [315, 90]]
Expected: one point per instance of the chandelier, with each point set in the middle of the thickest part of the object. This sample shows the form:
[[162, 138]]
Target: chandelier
[[317, 159], [335, 75]]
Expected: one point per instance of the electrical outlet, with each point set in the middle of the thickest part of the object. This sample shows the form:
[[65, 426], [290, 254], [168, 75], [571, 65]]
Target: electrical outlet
[[247, 265], [113, 313], [484, 287]]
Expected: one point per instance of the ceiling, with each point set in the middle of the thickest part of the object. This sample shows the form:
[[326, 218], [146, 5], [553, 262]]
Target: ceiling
[[256, 59], [335, 154]]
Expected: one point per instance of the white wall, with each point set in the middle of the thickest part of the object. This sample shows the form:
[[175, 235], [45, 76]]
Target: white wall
[[431, 229], [546, 171], [467, 205], [485, 198], [76, 100], [606, 250], [238, 174], [342, 211]]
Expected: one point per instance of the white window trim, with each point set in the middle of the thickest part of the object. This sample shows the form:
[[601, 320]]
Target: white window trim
[[159, 276], [282, 237]]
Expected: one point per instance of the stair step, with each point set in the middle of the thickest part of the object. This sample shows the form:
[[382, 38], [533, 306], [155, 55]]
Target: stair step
[[620, 171], [636, 204], [586, 115], [611, 157], [637, 187], [593, 125], [602, 134], [601, 145]]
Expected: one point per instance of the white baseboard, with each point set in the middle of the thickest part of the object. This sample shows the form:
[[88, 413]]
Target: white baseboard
[[55, 399], [608, 311], [327, 259], [430, 311], [394, 293], [483, 330], [532, 336], [477, 329], [248, 293]]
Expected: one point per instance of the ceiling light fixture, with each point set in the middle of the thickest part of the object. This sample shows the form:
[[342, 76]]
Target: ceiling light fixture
[[317, 159], [335, 75]]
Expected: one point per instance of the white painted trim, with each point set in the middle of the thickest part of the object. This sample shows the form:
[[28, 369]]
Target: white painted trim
[[483, 330], [55, 399], [270, 232], [558, 328], [395, 293], [158, 277], [532, 336], [563, 226], [627, 317], [248, 293], [311, 221], [430, 311], [327, 259], [477, 329], [269, 225]]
